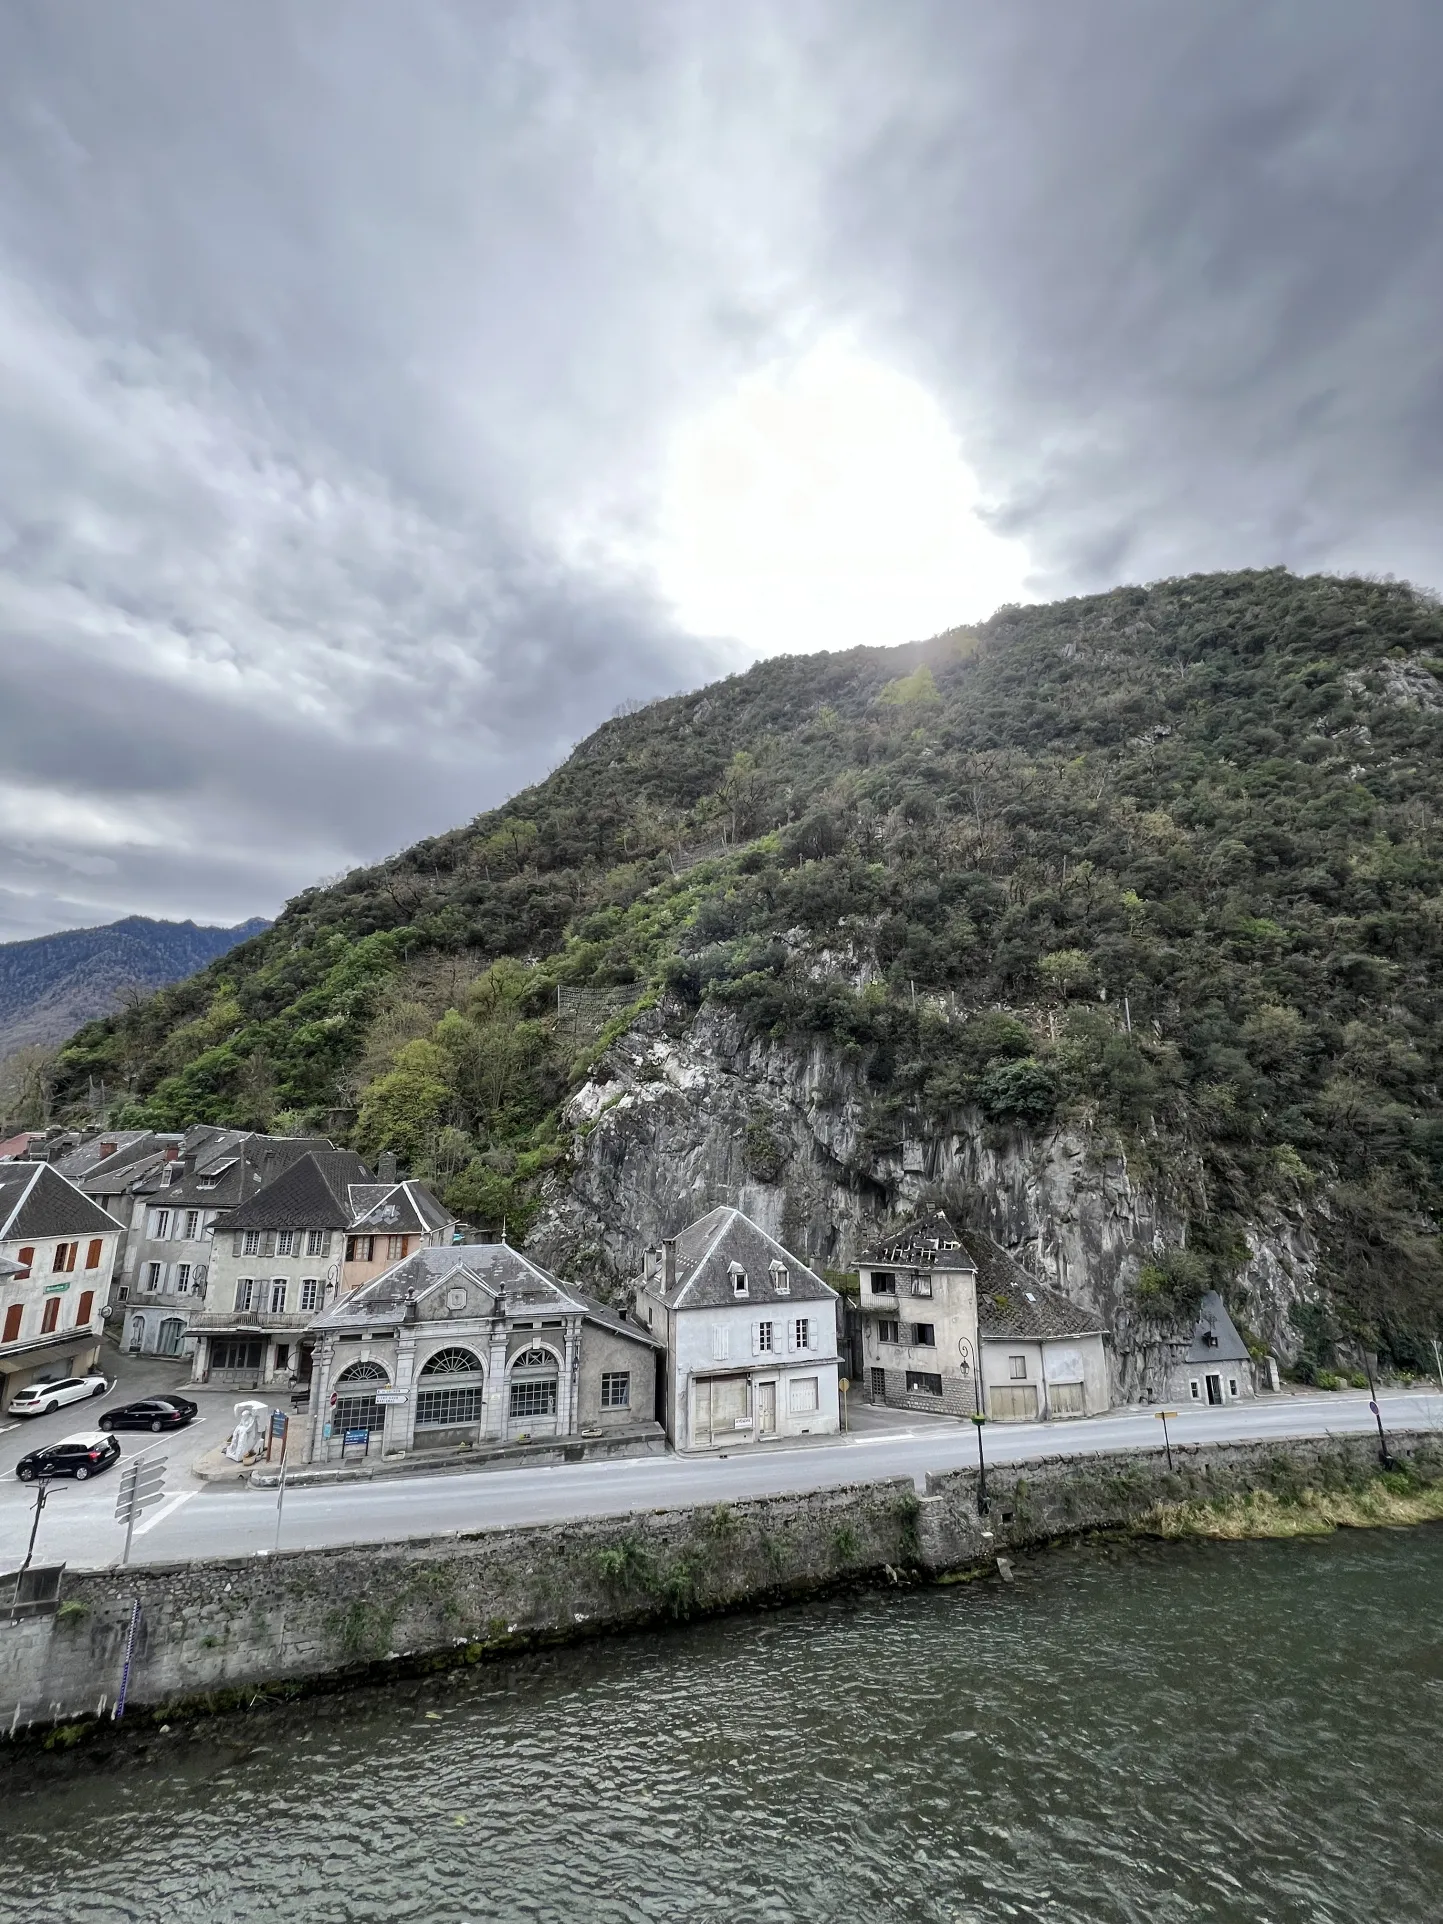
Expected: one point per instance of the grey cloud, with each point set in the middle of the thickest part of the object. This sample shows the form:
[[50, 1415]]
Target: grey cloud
[[338, 347]]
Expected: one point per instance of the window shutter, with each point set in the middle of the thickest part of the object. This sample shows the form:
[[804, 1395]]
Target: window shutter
[[237, 1243], [791, 1334], [720, 1344], [756, 1339], [270, 1248]]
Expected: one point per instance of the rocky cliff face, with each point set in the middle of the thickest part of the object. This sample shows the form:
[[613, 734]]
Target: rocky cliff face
[[683, 1115]]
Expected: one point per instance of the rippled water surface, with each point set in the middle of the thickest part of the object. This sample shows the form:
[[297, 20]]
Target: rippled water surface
[[1206, 1732]]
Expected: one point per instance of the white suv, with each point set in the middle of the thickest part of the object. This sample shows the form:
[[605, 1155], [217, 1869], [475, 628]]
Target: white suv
[[39, 1399]]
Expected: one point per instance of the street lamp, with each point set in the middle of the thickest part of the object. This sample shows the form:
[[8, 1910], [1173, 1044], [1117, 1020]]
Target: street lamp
[[982, 1504], [1383, 1456]]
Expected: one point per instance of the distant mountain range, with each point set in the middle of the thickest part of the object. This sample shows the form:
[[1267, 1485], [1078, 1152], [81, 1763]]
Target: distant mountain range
[[52, 984]]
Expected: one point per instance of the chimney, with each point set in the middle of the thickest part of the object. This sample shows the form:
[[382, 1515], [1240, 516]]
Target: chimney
[[386, 1166], [668, 1263], [172, 1150], [107, 1149]]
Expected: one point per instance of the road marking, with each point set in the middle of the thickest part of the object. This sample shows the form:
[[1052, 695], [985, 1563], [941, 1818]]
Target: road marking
[[168, 1508]]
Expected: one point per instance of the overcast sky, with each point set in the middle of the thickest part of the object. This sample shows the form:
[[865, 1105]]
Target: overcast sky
[[391, 391]]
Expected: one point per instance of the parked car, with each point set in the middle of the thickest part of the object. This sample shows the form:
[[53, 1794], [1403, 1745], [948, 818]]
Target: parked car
[[151, 1413], [39, 1399], [78, 1456]]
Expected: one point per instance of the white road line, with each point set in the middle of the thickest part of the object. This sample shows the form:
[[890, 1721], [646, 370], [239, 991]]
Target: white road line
[[168, 1508]]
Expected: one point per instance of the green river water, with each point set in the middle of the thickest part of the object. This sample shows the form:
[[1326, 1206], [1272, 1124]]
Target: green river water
[[1168, 1733]]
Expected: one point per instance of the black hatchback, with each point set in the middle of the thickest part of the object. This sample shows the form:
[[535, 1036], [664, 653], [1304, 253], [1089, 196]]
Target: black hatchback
[[77, 1456], [151, 1413]]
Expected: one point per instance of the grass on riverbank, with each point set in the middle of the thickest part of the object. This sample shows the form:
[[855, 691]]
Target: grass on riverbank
[[1389, 1500]]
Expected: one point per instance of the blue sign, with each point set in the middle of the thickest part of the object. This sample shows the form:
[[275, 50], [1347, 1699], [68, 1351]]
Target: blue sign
[[354, 1438]]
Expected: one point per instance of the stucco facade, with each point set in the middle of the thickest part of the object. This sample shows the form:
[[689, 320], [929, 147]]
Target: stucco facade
[[59, 1250]]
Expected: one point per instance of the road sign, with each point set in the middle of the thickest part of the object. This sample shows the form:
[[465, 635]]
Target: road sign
[[141, 1484]]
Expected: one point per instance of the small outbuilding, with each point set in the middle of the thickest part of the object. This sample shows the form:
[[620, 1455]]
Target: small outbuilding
[[1217, 1368]]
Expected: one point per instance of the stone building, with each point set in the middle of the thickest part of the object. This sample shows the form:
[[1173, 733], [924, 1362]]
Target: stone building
[[951, 1322], [1216, 1367], [918, 1306], [474, 1344], [750, 1334], [322, 1227], [59, 1250]]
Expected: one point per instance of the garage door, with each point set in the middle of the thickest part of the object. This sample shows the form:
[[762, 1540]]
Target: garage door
[[1013, 1403], [1064, 1399]]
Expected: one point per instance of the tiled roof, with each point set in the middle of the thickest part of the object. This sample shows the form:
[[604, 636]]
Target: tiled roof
[[512, 1280], [395, 1206], [926, 1242], [36, 1200], [1216, 1340], [709, 1252], [1012, 1303], [311, 1194]]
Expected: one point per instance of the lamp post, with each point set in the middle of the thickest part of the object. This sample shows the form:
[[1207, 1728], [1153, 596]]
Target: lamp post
[[1383, 1456], [1162, 1417], [982, 1504], [42, 1491]]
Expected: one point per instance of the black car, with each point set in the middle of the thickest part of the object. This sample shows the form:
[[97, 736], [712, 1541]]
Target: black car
[[151, 1413], [78, 1456]]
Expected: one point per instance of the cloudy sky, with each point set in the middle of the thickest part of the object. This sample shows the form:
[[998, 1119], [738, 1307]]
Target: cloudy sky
[[391, 391]]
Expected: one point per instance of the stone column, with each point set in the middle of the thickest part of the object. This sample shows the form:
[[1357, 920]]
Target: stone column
[[567, 1399], [200, 1362], [493, 1420], [400, 1430], [322, 1363]]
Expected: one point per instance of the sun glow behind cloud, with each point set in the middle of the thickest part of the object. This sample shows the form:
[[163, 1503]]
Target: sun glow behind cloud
[[823, 503]]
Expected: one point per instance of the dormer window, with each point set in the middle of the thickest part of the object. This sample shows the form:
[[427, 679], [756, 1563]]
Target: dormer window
[[781, 1279], [739, 1280]]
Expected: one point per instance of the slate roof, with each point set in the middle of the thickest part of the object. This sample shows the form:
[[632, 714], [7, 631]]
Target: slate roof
[[1012, 1303], [36, 1200], [510, 1278], [226, 1167], [708, 1251], [926, 1242], [394, 1207], [312, 1193], [1213, 1321], [110, 1151]]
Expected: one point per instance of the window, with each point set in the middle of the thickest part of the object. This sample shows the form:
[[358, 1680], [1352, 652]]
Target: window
[[765, 1337], [285, 1241], [278, 1296], [50, 1316], [616, 1389], [283, 1356], [739, 1281], [395, 1248], [1017, 1368], [923, 1383], [167, 1342], [64, 1258], [160, 1225], [92, 1255], [536, 1397], [1232, 1386], [879, 1385], [452, 1362], [802, 1395], [251, 1242], [888, 1332], [245, 1290], [12, 1323], [86, 1305], [310, 1291], [25, 1258], [924, 1335], [883, 1284], [318, 1242], [1196, 1392], [364, 1372], [441, 1409], [154, 1275], [358, 1248], [192, 1224], [781, 1279], [182, 1279], [802, 1333], [921, 1285]]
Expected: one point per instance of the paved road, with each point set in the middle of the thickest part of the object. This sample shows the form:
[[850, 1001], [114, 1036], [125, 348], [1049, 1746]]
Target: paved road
[[78, 1525]]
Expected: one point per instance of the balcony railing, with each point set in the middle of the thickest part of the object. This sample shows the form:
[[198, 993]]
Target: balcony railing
[[243, 1319]]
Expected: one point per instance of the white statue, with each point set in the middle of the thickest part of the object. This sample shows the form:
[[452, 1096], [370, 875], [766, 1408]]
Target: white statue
[[249, 1432]]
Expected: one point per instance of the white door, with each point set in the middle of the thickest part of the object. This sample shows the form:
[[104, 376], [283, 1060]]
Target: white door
[[766, 1409]]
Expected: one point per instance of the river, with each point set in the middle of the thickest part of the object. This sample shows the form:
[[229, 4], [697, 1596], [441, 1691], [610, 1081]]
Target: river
[[1161, 1733]]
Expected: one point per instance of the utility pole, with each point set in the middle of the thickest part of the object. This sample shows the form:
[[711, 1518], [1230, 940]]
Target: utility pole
[[982, 1503], [1162, 1417], [42, 1491], [1383, 1456]]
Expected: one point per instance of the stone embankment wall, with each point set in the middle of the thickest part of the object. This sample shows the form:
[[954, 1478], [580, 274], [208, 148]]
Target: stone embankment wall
[[222, 1632]]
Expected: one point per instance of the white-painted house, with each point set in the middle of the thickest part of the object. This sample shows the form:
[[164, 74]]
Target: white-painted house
[[750, 1334]]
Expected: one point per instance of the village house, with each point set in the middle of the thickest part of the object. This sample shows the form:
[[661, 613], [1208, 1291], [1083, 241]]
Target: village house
[[288, 1252], [474, 1345], [176, 1190], [954, 1325], [1216, 1367], [750, 1334], [62, 1248]]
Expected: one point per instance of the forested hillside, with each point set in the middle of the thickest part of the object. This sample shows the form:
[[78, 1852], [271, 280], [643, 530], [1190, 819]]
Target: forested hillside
[[50, 984], [1162, 865]]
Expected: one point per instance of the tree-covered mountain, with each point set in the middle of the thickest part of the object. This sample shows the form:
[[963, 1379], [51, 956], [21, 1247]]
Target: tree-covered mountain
[[1159, 869], [50, 984]]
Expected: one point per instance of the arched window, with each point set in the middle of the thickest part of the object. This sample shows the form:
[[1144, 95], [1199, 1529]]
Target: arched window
[[453, 1385], [354, 1405], [533, 1384]]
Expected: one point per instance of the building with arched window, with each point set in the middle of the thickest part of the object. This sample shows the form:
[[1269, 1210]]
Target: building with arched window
[[477, 1347]]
